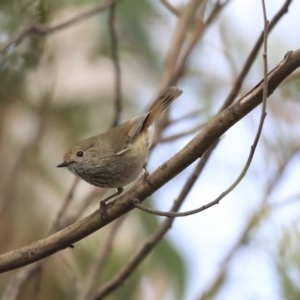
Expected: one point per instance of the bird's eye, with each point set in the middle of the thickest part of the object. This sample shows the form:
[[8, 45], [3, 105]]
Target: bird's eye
[[79, 153]]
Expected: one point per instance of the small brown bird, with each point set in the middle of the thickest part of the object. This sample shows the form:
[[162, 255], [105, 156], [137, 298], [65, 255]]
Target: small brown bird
[[117, 157]]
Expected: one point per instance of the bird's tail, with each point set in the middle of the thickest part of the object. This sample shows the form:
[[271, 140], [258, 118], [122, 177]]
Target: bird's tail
[[161, 103]]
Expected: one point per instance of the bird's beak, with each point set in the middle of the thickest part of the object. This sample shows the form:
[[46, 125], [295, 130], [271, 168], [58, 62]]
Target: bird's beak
[[63, 164]]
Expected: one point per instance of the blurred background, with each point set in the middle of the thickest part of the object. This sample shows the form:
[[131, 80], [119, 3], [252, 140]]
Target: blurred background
[[60, 87]]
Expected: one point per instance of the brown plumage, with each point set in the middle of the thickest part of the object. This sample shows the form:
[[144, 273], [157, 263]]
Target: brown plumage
[[117, 157]]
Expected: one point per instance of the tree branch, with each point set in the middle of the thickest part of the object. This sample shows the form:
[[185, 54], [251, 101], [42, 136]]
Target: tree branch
[[141, 190]]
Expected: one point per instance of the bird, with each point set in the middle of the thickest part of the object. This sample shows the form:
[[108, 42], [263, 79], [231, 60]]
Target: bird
[[116, 158]]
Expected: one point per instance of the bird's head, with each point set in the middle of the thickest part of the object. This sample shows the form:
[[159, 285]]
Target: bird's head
[[77, 156]]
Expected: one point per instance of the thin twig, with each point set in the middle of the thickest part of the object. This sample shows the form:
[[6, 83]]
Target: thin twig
[[136, 203], [34, 28], [116, 64]]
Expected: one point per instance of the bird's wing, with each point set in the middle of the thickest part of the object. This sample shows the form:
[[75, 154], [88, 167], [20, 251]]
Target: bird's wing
[[134, 128]]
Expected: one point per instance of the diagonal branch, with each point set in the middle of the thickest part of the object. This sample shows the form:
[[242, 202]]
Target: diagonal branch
[[215, 128]]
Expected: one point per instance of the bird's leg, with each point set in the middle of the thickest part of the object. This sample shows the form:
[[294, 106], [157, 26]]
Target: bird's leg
[[104, 201]]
